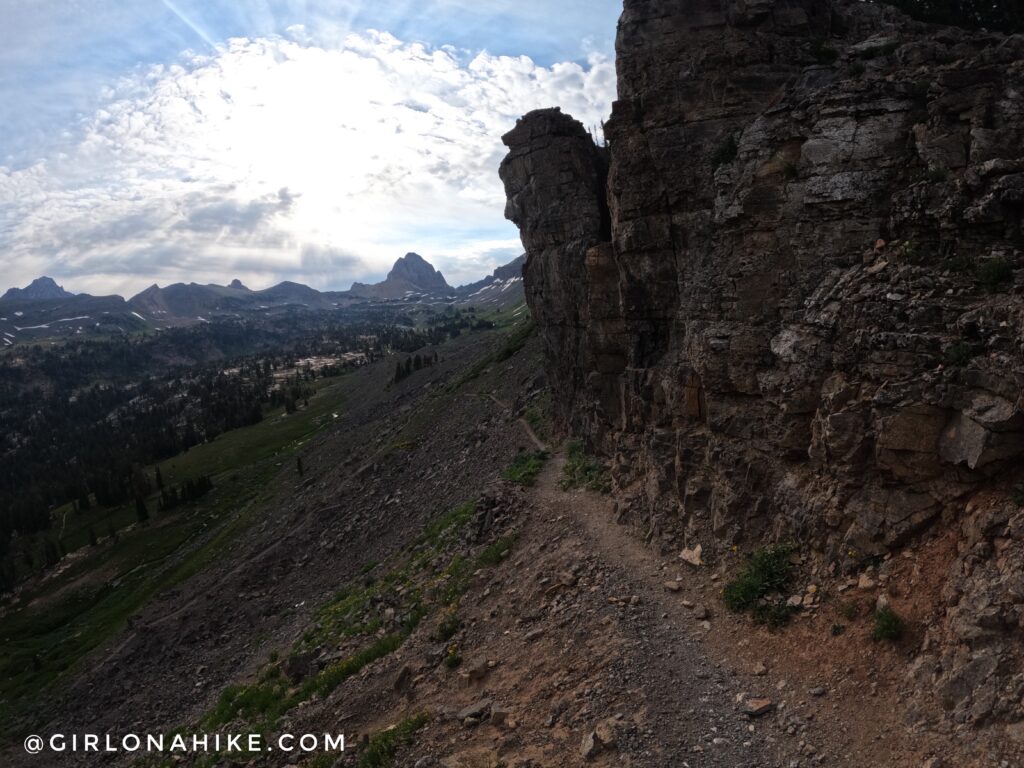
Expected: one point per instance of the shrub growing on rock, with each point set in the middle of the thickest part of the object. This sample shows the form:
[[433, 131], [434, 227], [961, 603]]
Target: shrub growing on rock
[[888, 626], [765, 573]]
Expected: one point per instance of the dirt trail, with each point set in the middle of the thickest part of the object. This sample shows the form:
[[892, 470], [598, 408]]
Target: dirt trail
[[691, 701], [696, 664], [541, 446]]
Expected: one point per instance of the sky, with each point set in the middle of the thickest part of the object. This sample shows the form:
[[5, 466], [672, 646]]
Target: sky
[[158, 141]]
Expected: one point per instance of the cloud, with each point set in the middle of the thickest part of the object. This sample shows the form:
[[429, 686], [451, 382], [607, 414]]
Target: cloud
[[476, 259], [214, 215], [277, 156]]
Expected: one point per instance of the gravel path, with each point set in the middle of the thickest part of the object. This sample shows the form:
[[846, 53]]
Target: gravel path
[[694, 716]]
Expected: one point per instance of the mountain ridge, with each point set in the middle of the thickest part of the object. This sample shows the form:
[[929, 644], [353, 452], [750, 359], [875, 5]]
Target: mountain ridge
[[44, 309], [42, 288], [410, 276]]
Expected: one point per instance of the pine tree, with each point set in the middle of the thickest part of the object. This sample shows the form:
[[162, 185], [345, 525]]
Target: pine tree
[[140, 481], [298, 465], [92, 537], [159, 479], [7, 578], [141, 512], [50, 554]]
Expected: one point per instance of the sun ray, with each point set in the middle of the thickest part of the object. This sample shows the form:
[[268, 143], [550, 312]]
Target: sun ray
[[189, 23]]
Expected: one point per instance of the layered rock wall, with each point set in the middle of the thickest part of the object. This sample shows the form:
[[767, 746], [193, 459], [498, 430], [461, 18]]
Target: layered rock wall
[[791, 306], [555, 180], [799, 309]]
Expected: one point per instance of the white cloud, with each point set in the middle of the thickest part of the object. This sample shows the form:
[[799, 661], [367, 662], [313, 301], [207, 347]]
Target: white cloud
[[280, 158]]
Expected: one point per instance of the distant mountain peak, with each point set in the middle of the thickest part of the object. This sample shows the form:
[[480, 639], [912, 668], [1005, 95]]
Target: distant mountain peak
[[41, 288], [238, 285], [414, 269], [411, 274]]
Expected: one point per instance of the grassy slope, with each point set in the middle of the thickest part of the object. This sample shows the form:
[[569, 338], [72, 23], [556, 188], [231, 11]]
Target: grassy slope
[[94, 592], [90, 597]]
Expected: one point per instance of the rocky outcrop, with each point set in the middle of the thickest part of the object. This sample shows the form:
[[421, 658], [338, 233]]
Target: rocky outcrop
[[973, 659], [794, 308], [794, 312], [500, 289], [40, 289], [414, 269], [555, 177], [410, 274]]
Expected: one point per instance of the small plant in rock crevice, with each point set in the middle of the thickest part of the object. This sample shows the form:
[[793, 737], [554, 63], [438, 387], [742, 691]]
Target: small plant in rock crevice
[[994, 272], [381, 748], [888, 625], [493, 554], [725, 152], [525, 467], [767, 572], [450, 624], [912, 252], [452, 657], [824, 54], [583, 471], [959, 263], [960, 354], [538, 416]]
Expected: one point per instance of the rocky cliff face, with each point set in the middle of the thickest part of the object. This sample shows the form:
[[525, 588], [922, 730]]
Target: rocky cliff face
[[786, 300], [555, 179]]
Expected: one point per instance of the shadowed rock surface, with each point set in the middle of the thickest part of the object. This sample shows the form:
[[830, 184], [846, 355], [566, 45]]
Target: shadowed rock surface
[[792, 310], [555, 177]]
